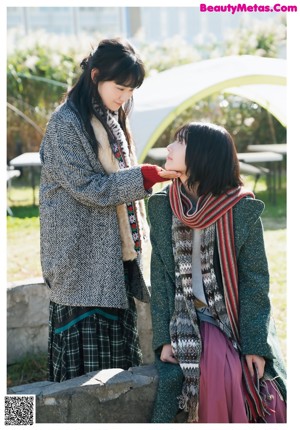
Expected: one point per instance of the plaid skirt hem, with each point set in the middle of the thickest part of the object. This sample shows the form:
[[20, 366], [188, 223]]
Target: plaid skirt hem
[[92, 343]]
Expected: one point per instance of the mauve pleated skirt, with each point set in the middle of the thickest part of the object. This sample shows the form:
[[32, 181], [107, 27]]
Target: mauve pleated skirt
[[221, 395]]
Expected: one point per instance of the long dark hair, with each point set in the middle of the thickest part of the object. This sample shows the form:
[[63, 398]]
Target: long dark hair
[[211, 159], [116, 61]]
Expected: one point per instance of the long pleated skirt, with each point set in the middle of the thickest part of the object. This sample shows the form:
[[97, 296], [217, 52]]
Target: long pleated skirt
[[88, 339], [221, 397]]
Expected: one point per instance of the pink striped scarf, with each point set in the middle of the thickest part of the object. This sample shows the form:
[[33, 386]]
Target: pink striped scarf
[[218, 209]]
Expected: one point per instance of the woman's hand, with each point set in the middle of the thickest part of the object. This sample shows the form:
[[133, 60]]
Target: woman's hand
[[169, 174], [258, 362], [167, 355]]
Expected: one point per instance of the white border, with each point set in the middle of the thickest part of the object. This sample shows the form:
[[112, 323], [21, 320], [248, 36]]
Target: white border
[[293, 168]]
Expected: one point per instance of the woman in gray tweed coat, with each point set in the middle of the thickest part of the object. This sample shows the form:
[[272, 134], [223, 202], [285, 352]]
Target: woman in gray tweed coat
[[92, 217], [213, 335]]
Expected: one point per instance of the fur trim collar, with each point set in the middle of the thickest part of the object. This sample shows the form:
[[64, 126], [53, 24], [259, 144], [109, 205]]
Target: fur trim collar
[[110, 165]]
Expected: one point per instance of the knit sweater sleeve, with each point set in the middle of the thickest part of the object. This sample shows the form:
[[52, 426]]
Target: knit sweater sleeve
[[150, 175]]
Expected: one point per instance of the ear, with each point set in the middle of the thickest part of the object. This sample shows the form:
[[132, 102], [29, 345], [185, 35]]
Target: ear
[[94, 73]]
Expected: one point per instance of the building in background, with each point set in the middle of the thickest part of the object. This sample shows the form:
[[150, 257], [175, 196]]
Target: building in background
[[151, 24], [67, 20]]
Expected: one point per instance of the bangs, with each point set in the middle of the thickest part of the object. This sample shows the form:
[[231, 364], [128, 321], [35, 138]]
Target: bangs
[[182, 134], [132, 76]]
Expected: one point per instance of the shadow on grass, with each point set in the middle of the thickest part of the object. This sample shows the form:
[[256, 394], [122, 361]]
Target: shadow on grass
[[29, 211], [32, 368]]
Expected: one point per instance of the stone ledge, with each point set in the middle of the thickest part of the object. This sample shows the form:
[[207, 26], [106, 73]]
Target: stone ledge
[[28, 281], [27, 321], [108, 396]]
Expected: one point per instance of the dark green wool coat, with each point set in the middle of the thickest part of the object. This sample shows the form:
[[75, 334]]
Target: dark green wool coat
[[257, 329]]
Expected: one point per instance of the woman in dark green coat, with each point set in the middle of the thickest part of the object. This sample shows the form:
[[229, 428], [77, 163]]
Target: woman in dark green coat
[[214, 339]]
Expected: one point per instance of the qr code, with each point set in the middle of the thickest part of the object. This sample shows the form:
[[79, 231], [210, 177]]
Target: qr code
[[19, 410]]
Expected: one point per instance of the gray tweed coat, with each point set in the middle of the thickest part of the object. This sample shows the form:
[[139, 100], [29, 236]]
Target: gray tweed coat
[[80, 240], [257, 329]]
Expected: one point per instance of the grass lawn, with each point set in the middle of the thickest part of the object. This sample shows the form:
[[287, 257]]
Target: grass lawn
[[23, 236], [24, 261]]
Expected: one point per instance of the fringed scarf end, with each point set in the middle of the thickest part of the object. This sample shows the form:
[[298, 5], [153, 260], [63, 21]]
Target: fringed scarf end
[[259, 413], [189, 405]]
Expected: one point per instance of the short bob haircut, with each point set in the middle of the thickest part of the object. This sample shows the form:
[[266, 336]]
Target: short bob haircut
[[211, 158]]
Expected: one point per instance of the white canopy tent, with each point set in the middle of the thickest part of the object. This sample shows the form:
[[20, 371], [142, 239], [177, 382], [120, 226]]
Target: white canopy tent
[[165, 95]]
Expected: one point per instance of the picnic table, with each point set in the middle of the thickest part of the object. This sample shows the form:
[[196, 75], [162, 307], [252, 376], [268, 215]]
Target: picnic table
[[28, 159], [280, 148], [273, 160]]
